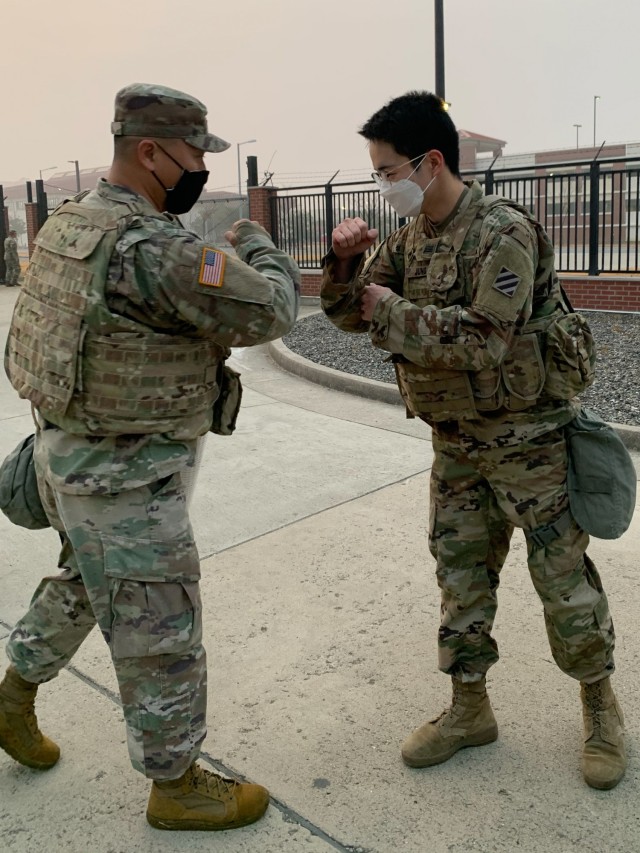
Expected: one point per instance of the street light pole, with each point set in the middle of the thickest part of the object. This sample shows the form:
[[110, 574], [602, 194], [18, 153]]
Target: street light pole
[[596, 98], [439, 52], [77, 174], [577, 127], [48, 169]]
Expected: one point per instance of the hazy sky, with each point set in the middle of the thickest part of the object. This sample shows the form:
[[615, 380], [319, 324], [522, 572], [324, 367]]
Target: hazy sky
[[300, 76]]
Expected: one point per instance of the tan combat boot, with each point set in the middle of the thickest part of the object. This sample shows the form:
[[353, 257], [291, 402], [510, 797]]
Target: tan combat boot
[[603, 756], [201, 799], [19, 732], [468, 722]]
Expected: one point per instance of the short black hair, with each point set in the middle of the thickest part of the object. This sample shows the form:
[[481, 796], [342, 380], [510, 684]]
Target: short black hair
[[415, 123], [123, 146]]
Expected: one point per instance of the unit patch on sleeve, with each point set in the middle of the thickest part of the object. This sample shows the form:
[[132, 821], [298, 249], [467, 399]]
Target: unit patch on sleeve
[[507, 282], [212, 267]]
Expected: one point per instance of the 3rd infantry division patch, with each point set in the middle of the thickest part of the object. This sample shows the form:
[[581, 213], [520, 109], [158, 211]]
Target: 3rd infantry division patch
[[506, 282], [212, 267]]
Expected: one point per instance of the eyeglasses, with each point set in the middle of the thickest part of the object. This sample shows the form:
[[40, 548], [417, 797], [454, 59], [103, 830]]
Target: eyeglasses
[[387, 174]]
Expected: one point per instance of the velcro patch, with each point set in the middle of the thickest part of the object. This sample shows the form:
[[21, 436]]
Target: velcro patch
[[212, 267], [507, 282]]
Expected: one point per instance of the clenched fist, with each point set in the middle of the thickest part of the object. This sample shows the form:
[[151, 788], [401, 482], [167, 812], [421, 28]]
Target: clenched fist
[[352, 237]]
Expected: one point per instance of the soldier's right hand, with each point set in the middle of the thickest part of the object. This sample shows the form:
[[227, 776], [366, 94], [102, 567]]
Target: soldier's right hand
[[352, 237]]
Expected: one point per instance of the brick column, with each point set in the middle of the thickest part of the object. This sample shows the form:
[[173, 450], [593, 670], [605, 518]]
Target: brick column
[[31, 213], [260, 206], [4, 233]]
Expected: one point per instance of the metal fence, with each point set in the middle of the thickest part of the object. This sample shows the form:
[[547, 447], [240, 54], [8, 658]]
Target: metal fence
[[590, 209], [210, 218]]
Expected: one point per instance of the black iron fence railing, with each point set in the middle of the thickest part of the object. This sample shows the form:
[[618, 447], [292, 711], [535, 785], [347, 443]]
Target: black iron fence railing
[[590, 209]]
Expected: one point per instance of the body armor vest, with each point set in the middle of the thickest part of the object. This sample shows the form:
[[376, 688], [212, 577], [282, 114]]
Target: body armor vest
[[87, 369], [439, 272]]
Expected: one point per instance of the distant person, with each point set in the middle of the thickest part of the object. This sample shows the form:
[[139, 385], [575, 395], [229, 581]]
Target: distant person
[[119, 338], [11, 259], [466, 299]]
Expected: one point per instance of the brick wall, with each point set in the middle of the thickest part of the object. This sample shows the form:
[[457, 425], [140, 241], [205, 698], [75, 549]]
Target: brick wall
[[260, 205], [31, 214], [603, 293], [310, 285]]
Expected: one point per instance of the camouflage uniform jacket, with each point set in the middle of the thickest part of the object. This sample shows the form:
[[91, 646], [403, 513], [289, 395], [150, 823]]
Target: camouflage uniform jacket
[[162, 284], [465, 318], [11, 250]]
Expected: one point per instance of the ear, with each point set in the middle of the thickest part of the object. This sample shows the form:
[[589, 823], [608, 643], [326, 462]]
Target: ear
[[146, 153], [435, 159]]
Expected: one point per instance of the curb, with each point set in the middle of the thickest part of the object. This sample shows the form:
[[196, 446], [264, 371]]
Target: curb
[[373, 389], [336, 380]]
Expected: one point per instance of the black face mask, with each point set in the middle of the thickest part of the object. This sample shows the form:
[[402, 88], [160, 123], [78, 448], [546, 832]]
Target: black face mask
[[182, 197]]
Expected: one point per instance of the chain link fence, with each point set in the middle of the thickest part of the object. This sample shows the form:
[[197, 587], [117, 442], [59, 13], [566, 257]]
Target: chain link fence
[[210, 218]]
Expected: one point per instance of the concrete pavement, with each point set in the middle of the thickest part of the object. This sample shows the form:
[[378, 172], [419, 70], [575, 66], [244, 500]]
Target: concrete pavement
[[321, 611]]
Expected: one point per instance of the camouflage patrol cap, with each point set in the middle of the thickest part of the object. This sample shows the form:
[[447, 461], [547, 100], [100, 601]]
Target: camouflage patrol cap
[[145, 109]]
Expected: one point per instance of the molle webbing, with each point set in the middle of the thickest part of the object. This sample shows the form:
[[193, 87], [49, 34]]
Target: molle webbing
[[83, 365], [442, 394], [45, 332], [158, 376]]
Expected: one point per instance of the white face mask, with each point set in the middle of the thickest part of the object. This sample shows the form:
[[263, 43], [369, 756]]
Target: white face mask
[[404, 196]]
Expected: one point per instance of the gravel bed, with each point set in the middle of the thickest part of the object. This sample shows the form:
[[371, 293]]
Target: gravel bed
[[615, 395]]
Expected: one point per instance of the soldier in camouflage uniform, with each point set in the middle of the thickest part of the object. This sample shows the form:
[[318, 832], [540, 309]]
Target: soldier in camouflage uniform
[[119, 339], [11, 259], [466, 299]]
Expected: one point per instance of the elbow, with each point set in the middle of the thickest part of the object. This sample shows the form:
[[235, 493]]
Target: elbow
[[281, 326], [283, 321]]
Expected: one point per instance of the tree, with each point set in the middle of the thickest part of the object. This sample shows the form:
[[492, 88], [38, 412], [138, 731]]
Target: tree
[[18, 225]]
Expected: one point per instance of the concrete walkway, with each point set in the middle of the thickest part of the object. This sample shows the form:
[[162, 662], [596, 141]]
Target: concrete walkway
[[321, 611]]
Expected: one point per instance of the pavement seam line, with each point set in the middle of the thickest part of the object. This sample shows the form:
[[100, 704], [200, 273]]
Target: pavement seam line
[[313, 514], [289, 814]]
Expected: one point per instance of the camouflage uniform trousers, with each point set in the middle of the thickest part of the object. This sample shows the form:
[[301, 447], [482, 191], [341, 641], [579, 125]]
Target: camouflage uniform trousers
[[479, 493], [129, 562], [12, 270]]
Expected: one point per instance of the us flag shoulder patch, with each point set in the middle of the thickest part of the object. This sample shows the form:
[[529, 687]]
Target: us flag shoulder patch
[[506, 282], [212, 267]]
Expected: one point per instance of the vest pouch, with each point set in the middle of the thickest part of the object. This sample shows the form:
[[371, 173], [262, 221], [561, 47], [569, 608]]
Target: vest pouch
[[488, 392], [439, 286], [570, 357], [440, 395], [227, 406], [442, 272], [523, 373]]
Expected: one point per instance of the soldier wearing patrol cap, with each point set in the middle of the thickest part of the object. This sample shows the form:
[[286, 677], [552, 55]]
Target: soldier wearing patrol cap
[[119, 339], [489, 353], [11, 259]]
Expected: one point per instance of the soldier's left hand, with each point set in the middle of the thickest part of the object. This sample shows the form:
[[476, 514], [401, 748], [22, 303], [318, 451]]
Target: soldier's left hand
[[371, 295]]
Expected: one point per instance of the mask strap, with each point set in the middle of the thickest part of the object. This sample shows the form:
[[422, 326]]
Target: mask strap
[[174, 159], [167, 189], [418, 166]]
